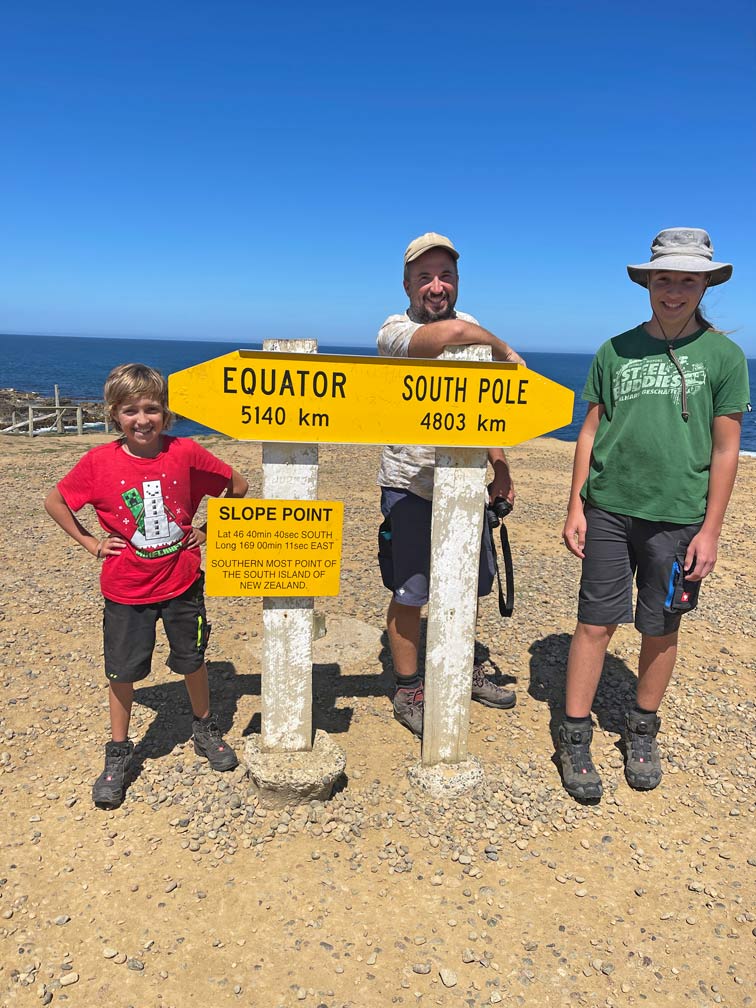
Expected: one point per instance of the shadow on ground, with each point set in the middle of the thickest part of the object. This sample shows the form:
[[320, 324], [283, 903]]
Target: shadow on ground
[[548, 664]]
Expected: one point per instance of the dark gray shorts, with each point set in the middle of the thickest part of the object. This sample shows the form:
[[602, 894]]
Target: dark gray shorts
[[618, 547], [129, 635], [411, 547]]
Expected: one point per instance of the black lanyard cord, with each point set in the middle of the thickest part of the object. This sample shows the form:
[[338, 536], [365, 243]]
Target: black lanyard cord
[[673, 357], [683, 389]]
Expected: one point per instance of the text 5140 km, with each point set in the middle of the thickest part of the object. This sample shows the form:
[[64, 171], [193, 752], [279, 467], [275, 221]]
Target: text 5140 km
[[275, 416]]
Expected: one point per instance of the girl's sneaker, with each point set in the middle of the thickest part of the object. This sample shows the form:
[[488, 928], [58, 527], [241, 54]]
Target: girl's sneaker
[[642, 764], [580, 777], [109, 787]]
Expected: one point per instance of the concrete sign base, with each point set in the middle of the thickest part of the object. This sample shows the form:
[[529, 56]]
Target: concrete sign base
[[447, 780], [294, 778]]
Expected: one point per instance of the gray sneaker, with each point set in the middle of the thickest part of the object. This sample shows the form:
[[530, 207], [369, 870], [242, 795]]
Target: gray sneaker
[[409, 705], [579, 775], [108, 789], [488, 693], [209, 743], [642, 765]]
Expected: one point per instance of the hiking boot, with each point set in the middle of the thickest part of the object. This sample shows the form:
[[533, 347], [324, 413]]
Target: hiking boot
[[108, 789], [579, 775], [642, 765], [409, 706], [488, 693], [209, 743]]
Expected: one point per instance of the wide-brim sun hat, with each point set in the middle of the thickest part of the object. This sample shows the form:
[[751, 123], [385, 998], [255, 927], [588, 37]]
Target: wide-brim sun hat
[[428, 241], [684, 250]]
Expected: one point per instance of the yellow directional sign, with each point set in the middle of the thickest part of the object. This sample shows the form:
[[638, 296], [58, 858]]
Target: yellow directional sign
[[273, 547], [258, 396]]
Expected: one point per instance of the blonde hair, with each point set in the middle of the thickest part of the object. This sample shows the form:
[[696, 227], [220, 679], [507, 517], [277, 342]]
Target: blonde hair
[[128, 382]]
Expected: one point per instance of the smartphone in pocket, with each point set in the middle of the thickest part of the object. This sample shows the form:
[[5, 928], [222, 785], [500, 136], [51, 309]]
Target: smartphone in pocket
[[682, 594]]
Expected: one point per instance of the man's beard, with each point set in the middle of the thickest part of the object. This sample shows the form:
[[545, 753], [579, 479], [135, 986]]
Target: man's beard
[[423, 316]]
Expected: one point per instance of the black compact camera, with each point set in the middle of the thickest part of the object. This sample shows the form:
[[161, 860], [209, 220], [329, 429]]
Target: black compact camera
[[497, 511]]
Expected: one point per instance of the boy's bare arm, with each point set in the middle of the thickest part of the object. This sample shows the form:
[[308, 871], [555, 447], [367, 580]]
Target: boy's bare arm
[[61, 513], [237, 486]]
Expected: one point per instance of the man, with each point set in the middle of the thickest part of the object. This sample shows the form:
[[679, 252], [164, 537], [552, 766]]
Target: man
[[406, 475]]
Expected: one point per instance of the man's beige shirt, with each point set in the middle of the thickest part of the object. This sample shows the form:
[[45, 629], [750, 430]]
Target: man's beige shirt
[[409, 467]]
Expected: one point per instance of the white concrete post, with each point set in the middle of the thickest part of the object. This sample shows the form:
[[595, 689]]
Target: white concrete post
[[290, 471], [458, 499]]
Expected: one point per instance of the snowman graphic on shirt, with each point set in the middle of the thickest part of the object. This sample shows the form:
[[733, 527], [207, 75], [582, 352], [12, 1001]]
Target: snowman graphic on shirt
[[157, 532]]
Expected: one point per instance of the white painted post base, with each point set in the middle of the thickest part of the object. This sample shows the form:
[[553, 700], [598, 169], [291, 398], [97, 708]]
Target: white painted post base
[[290, 471], [457, 524]]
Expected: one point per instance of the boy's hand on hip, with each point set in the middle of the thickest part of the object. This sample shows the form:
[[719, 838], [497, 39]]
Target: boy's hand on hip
[[195, 538], [110, 546]]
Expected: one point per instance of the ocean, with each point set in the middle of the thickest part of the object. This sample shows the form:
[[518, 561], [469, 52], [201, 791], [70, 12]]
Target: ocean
[[79, 365]]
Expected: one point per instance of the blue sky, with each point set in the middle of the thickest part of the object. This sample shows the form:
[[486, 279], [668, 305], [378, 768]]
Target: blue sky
[[238, 170]]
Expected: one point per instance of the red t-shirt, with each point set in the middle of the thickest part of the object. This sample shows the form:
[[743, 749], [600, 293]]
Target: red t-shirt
[[150, 503]]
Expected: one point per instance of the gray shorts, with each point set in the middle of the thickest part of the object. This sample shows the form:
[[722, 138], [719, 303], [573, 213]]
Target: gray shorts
[[129, 635], [618, 547], [410, 517]]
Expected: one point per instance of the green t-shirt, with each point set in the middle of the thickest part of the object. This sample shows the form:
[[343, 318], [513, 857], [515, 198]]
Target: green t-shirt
[[648, 462]]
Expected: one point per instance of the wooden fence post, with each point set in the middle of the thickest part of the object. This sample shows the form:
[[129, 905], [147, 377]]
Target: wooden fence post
[[58, 414], [31, 421], [290, 471]]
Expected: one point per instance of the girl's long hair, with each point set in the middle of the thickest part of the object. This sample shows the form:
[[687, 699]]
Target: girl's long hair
[[703, 322]]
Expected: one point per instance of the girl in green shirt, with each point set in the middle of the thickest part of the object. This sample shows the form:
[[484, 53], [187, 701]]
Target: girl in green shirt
[[654, 467]]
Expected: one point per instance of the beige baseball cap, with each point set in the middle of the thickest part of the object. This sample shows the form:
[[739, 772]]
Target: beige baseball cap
[[425, 242]]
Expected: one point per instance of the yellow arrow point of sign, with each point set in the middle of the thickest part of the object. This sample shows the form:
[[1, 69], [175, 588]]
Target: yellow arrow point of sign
[[305, 398]]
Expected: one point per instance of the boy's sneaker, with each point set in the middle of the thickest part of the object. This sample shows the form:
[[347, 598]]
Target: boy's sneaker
[[581, 780], [488, 693], [409, 705], [642, 765], [108, 789], [209, 742]]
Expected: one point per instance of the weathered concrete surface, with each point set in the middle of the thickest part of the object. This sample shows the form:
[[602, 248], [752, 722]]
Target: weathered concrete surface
[[293, 778], [458, 499], [290, 472], [447, 780]]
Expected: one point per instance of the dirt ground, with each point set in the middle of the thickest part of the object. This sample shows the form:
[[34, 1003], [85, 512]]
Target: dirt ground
[[191, 894]]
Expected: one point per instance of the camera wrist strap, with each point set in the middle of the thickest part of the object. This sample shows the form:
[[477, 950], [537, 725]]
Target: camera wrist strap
[[506, 605]]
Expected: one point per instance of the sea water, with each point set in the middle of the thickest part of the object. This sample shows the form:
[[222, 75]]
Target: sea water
[[79, 365]]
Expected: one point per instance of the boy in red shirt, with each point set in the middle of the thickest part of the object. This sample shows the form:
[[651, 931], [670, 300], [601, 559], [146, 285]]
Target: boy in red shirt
[[145, 489]]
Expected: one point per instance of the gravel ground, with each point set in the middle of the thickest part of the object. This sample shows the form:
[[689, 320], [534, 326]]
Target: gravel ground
[[191, 893]]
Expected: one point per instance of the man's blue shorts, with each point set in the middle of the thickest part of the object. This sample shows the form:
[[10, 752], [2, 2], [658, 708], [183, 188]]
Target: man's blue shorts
[[410, 518]]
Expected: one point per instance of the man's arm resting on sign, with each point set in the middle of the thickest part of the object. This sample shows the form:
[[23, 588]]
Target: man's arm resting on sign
[[430, 339]]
